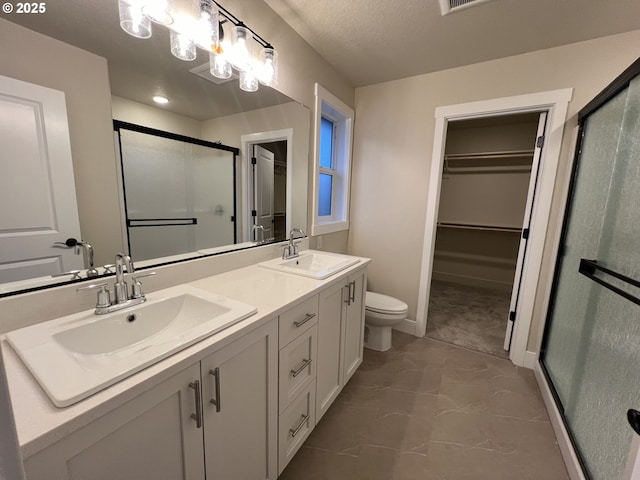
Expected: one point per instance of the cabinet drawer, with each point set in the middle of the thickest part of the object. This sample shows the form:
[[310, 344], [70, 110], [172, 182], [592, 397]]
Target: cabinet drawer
[[295, 425], [298, 319], [297, 366]]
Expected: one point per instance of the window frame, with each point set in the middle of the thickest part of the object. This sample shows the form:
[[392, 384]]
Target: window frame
[[330, 107]]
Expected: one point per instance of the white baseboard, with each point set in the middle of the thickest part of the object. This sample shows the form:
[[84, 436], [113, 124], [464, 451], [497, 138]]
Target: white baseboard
[[566, 448], [406, 326], [530, 360]]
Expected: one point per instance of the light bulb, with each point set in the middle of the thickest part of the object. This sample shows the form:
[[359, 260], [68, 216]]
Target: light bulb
[[158, 11], [182, 47], [132, 19], [218, 65], [207, 26], [269, 66], [248, 81], [241, 48]]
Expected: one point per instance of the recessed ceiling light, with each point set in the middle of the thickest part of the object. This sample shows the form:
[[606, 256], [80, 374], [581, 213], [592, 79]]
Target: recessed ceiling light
[[159, 99]]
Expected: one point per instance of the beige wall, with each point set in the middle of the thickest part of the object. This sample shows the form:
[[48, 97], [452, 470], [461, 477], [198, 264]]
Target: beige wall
[[229, 129], [394, 141], [38, 59]]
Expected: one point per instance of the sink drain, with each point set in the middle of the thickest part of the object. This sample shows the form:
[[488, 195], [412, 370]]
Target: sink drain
[[131, 317]]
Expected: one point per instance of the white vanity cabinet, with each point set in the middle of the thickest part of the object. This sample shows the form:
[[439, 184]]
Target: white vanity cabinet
[[151, 437], [169, 432], [297, 379], [240, 408], [340, 337]]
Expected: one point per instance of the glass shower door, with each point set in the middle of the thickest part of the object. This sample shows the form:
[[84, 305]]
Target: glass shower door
[[591, 353]]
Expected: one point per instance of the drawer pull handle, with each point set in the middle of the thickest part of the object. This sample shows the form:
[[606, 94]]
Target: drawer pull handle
[[296, 431], [216, 376], [198, 415], [308, 317], [305, 364]]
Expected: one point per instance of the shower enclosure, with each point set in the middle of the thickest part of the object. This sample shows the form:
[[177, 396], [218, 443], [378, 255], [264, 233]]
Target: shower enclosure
[[591, 348], [179, 192]]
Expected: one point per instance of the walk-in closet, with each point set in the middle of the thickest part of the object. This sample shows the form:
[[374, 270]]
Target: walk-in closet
[[486, 190]]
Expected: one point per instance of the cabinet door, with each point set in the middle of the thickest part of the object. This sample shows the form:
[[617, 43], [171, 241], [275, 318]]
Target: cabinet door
[[354, 324], [150, 437], [329, 364], [240, 403]]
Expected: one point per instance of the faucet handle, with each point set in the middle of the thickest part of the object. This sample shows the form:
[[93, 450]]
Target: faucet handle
[[136, 286], [104, 297]]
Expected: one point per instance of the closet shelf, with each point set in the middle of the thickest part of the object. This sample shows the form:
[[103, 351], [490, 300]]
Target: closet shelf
[[489, 155], [473, 226]]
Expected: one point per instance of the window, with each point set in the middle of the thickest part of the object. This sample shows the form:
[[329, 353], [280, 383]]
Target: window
[[332, 165]]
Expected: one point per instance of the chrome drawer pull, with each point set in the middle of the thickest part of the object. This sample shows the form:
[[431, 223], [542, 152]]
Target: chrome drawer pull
[[198, 415], [296, 431], [304, 365], [216, 376], [304, 320]]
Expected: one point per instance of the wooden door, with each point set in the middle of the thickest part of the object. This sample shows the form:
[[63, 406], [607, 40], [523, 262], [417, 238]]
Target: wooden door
[[37, 188]]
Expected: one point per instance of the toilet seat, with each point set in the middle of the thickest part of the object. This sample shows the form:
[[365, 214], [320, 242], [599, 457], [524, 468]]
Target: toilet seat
[[384, 304]]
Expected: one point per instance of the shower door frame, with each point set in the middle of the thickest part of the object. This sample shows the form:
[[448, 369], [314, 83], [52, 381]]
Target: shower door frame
[[550, 396]]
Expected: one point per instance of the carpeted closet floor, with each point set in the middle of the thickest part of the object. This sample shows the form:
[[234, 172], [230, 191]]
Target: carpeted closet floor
[[470, 317]]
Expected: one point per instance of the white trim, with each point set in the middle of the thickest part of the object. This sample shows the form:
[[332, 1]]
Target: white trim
[[120, 179], [344, 115], [556, 103], [530, 360], [248, 141], [406, 326], [562, 436]]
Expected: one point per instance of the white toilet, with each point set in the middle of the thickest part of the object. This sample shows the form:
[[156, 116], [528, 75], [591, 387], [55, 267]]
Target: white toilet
[[381, 313]]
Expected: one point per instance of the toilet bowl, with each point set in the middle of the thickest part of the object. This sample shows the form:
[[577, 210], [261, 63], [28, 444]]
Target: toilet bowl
[[382, 312]]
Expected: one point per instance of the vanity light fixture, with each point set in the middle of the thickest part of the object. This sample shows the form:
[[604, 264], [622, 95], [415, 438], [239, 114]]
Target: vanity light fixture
[[200, 23]]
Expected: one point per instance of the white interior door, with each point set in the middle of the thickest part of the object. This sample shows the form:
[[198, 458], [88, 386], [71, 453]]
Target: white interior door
[[526, 225], [263, 189], [37, 188]]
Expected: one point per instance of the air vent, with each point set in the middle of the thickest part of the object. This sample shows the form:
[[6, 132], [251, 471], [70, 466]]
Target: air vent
[[204, 72], [451, 6]]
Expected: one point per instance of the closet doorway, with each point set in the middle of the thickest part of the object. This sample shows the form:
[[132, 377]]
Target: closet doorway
[[488, 187]]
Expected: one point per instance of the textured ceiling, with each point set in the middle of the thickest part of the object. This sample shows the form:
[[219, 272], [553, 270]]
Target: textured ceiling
[[372, 41]]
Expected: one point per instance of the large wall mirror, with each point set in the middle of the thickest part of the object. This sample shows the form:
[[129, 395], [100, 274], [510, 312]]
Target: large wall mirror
[[264, 124]]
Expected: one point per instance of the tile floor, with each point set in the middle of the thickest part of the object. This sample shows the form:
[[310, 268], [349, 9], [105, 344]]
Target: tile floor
[[427, 410]]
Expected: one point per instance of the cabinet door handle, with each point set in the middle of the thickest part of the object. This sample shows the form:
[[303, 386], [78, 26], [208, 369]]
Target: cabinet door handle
[[305, 364], [296, 431], [308, 317], [198, 415], [216, 376], [352, 292]]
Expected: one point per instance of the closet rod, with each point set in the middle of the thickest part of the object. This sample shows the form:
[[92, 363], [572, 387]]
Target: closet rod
[[470, 226], [489, 155]]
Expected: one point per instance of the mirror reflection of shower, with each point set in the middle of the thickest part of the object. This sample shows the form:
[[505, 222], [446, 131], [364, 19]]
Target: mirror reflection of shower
[[179, 193]]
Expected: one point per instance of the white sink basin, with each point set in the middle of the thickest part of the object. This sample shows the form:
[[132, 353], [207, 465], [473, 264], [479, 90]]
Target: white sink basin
[[312, 264], [75, 356]]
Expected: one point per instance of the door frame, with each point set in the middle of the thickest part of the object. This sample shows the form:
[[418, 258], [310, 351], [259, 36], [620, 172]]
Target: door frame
[[248, 141], [555, 102]]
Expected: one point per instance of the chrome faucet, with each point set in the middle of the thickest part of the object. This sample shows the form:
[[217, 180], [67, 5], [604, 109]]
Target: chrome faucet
[[120, 289], [87, 251], [291, 250], [122, 299], [259, 228]]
